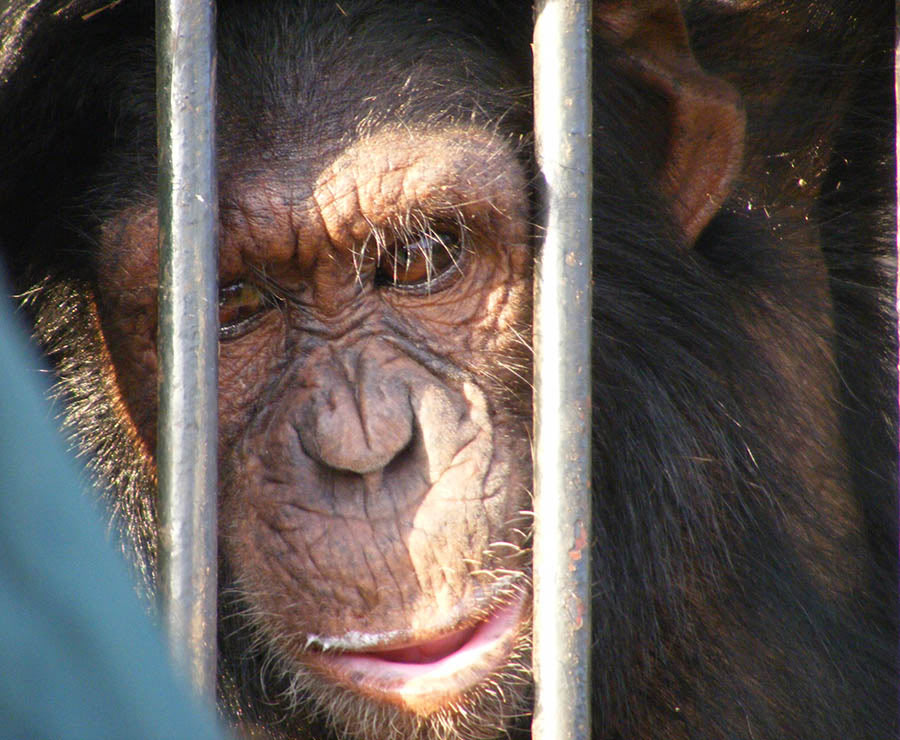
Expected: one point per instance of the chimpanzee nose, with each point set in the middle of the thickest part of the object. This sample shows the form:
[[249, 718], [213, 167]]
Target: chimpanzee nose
[[357, 424]]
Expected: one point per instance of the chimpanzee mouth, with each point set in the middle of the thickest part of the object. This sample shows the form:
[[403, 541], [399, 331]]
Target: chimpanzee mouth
[[425, 676]]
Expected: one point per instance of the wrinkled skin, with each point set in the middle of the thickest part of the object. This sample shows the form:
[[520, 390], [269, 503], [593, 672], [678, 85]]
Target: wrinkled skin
[[376, 245]]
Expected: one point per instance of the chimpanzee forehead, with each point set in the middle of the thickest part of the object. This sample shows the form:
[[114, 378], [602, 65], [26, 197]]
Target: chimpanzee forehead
[[299, 83], [314, 76]]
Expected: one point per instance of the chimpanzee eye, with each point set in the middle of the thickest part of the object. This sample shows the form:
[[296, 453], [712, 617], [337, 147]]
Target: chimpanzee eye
[[428, 262], [241, 305]]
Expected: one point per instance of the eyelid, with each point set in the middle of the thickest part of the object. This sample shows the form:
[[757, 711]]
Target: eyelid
[[259, 302], [421, 249]]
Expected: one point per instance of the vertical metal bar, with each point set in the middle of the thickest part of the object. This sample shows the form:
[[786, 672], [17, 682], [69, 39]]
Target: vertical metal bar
[[188, 334], [562, 334], [897, 178]]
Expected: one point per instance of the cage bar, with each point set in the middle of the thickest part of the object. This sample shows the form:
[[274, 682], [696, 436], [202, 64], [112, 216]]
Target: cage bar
[[897, 180], [562, 405], [188, 335]]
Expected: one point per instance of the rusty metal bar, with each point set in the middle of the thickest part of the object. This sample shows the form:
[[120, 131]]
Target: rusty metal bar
[[188, 334], [562, 341]]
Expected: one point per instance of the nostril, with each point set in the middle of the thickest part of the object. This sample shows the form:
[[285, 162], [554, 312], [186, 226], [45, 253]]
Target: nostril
[[401, 461]]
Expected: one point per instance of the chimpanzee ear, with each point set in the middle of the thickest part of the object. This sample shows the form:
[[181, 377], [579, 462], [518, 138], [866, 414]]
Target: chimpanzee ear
[[706, 140]]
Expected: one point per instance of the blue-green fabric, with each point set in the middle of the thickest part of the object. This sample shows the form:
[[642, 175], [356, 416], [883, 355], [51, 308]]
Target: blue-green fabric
[[78, 657]]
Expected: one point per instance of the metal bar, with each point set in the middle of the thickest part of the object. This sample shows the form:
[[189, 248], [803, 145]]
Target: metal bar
[[188, 334], [897, 179], [562, 408]]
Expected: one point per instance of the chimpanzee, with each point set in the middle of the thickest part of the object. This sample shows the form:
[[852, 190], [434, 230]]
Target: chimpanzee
[[377, 208]]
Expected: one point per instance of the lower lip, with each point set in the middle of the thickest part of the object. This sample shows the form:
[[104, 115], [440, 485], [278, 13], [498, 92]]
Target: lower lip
[[430, 675]]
